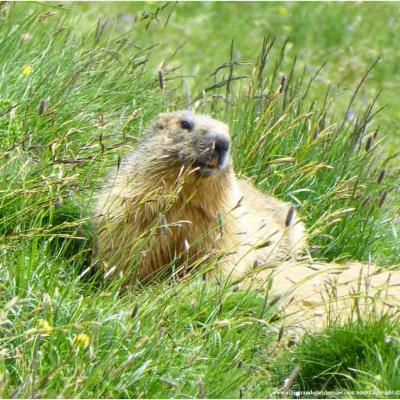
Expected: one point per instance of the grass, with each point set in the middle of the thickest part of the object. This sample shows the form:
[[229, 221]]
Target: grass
[[348, 36], [361, 358], [84, 99]]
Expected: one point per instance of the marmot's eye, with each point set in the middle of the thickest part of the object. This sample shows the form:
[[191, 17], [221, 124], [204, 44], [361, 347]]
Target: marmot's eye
[[186, 125]]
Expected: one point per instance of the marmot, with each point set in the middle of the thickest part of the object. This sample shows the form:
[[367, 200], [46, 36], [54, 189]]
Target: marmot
[[175, 201]]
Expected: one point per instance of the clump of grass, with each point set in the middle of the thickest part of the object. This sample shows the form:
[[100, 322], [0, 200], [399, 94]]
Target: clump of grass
[[357, 360]]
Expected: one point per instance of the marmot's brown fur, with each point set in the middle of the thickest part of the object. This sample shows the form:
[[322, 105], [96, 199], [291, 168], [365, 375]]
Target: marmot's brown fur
[[175, 200]]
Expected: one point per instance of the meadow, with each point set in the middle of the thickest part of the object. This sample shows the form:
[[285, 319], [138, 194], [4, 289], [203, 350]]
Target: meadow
[[309, 92]]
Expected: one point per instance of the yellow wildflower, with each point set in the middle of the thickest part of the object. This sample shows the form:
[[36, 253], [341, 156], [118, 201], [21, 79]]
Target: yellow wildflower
[[26, 70], [81, 340], [44, 326], [283, 11]]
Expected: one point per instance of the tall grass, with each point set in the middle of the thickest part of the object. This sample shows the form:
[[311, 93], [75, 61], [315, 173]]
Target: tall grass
[[71, 104], [335, 168]]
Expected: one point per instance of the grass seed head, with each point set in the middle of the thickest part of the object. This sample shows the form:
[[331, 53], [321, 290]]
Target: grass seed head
[[202, 392], [382, 198], [289, 216], [161, 333], [135, 311], [283, 84], [43, 105], [366, 200], [161, 78], [381, 176], [369, 143]]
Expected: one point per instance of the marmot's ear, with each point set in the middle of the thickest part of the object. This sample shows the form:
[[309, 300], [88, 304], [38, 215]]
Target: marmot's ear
[[162, 121]]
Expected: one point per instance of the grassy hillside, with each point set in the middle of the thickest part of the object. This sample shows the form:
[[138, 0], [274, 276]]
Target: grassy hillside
[[79, 84], [346, 37]]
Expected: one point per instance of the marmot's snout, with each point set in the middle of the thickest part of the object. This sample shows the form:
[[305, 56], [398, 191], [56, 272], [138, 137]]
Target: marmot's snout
[[216, 154], [221, 150]]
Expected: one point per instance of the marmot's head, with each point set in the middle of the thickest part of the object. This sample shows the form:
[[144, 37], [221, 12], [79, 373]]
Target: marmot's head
[[190, 140]]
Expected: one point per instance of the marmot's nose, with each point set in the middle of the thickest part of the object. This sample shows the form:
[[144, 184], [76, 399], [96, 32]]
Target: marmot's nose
[[221, 145], [221, 149]]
